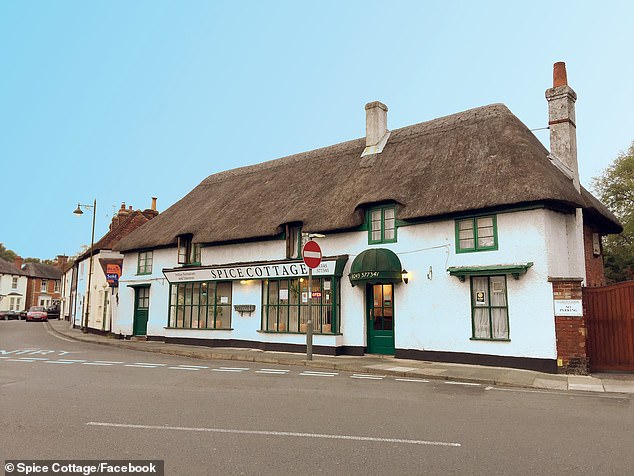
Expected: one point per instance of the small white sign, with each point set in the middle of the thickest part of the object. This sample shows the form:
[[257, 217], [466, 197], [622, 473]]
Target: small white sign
[[283, 294], [568, 307], [224, 299]]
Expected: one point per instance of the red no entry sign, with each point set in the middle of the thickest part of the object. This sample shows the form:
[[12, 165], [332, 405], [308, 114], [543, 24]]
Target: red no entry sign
[[311, 254]]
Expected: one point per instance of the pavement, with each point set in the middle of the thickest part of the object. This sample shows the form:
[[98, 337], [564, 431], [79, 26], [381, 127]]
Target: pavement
[[374, 364]]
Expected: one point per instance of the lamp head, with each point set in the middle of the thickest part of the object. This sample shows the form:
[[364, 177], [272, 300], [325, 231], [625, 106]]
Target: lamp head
[[78, 211], [405, 276]]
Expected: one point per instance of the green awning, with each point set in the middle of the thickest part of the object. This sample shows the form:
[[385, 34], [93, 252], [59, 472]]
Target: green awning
[[515, 270], [377, 265]]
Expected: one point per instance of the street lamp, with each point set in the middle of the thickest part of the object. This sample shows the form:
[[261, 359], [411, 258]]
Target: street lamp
[[78, 212]]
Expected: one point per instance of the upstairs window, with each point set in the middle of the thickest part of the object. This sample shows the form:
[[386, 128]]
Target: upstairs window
[[476, 234], [56, 289], [293, 241], [188, 252], [43, 286], [14, 283], [144, 264], [382, 225]]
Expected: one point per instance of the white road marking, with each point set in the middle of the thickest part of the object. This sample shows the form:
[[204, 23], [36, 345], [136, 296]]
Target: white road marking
[[467, 384], [149, 363], [183, 368], [229, 370], [412, 380], [71, 360], [108, 362], [310, 373], [141, 366], [272, 372], [234, 368], [59, 362], [95, 363], [277, 433], [34, 358], [193, 366], [276, 370], [3, 357], [20, 360], [368, 377]]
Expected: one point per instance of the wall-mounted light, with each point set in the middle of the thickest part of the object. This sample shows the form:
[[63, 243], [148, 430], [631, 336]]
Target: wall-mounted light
[[430, 273], [405, 276]]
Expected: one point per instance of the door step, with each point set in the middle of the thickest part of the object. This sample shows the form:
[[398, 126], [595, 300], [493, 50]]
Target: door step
[[138, 337]]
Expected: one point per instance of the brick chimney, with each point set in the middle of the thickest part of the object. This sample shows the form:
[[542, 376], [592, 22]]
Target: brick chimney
[[150, 213], [61, 261], [376, 133], [562, 123], [17, 261]]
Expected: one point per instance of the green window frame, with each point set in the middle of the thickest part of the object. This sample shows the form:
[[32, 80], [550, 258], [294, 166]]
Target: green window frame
[[285, 305], [478, 233], [200, 305], [489, 308], [382, 225], [188, 252], [144, 262]]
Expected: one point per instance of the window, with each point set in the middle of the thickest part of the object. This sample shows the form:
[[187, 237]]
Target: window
[[490, 317], [205, 305], [293, 241], [285, 305], [144, 265], [56, 289], [382, 226], [43, 287], [476, 234], [14, 283], [188, 252]]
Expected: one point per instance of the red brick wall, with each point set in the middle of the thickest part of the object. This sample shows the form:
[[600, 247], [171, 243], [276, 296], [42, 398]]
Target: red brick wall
[[595, 275], [570, 331]]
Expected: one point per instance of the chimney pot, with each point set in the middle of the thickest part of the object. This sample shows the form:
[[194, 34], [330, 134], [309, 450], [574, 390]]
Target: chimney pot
[[560, 78], [153, 203], [122, 206]]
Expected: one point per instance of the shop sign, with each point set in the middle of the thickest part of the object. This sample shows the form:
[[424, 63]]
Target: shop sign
[[258, 271], [568, 307]]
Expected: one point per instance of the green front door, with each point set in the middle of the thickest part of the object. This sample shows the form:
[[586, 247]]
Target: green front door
[[141, 311], [380, 315]]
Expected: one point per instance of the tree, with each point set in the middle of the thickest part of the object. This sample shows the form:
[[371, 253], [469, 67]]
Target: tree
[[6, 254], [615, 188]]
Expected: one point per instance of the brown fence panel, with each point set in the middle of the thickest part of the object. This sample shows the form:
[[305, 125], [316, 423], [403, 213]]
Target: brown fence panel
[[609, 313]]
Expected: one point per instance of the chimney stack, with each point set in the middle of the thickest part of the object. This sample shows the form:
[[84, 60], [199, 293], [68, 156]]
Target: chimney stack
[[562, 123], [150, 213], [17, 261], [61, 261], [376, 133]]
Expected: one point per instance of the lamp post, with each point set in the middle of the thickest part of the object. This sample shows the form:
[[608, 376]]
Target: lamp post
[[78, 212]]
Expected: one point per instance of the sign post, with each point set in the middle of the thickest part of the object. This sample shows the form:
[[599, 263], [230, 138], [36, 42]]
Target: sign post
[[312, 258]]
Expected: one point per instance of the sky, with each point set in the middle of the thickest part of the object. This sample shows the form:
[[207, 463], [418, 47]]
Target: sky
[[120, 101]]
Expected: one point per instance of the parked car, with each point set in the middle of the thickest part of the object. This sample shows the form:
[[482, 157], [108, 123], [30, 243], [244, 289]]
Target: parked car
[[36, 313], [53, 311], [9, 315], [23, 314]]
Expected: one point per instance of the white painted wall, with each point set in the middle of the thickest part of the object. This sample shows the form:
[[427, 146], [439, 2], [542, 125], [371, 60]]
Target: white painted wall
[[431, 313], [6, 288]]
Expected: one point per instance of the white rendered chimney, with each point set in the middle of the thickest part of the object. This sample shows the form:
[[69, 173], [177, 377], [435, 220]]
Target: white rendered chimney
[[376, 133], [561, 122]]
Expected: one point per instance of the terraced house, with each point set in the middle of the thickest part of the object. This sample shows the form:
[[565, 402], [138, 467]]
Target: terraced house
[[459, 239]]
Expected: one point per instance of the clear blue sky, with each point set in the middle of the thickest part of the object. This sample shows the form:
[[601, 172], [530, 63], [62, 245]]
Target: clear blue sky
[[125, 100]]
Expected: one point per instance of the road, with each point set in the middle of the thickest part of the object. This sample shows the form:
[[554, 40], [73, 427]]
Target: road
[[63, 399]]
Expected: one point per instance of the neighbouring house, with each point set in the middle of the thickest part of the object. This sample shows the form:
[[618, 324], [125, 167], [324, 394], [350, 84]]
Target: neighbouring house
[[91, 284], [461, 239], [44, 282], [13, 284]]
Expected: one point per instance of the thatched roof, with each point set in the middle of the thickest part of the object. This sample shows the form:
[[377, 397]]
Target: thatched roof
[[478, 159]]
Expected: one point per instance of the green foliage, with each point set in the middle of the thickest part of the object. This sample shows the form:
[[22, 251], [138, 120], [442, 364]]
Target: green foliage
[[6, 254], [616, 190]]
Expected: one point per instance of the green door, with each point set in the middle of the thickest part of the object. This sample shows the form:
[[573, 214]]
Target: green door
[[380, 315], [141, 311]]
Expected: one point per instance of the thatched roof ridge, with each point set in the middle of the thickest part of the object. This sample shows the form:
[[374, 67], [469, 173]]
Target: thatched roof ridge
[[479, 159]]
